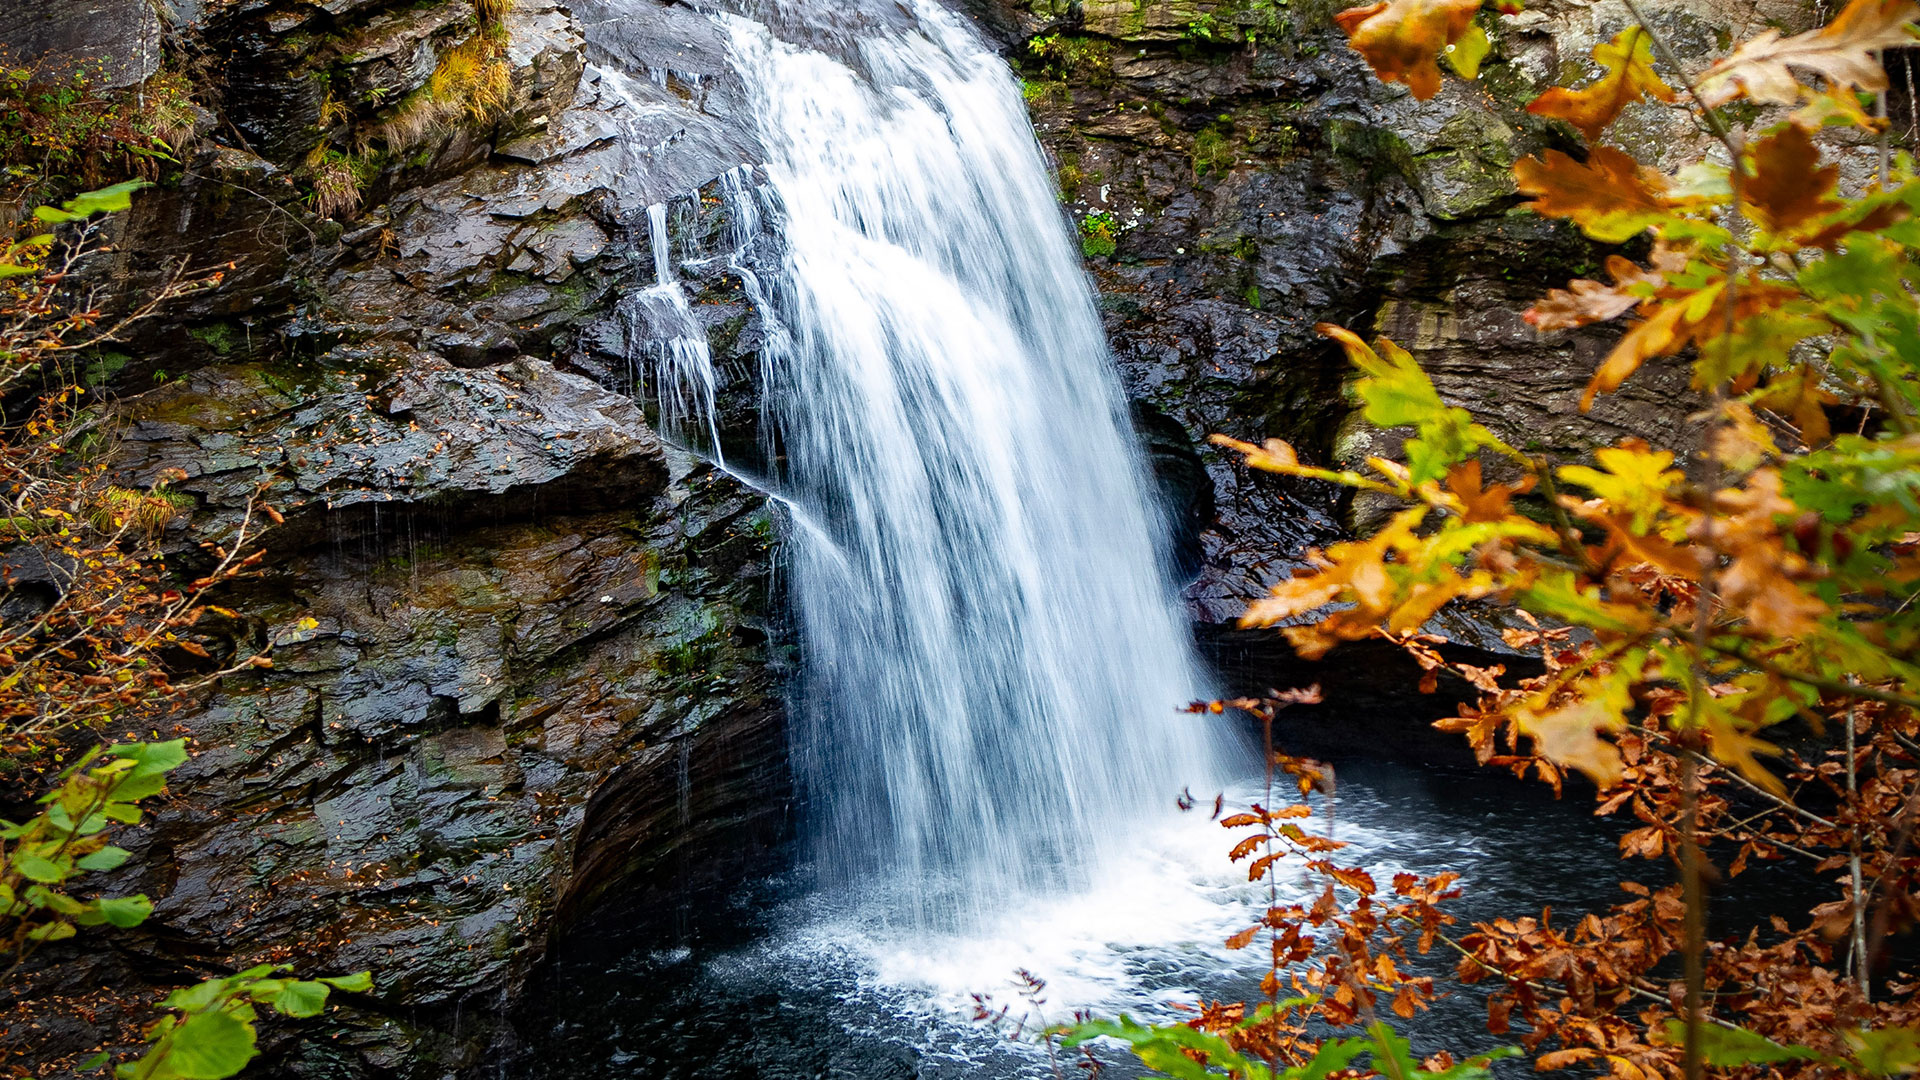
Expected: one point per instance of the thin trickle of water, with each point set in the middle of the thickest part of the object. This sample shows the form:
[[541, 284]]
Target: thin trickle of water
[[992, 660], [667, 346], [657, 238], [683, 783]]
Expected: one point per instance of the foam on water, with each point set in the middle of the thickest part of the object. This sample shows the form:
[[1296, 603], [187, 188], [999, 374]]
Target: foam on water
[[1140, 939]]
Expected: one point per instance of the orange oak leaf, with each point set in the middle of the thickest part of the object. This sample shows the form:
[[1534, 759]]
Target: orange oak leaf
[[1840, 52], [1610, 196], [1875, 219], [1628, 59], [1480, 502], [1659, 334], [1799, 395], [1789, 186], [1560, 1059], [1403, 39], [1585, 301]]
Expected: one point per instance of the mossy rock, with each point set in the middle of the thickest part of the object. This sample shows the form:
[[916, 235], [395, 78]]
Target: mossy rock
[[1143, 20]]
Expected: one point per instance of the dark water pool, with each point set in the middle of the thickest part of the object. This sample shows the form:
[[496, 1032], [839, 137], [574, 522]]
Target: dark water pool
[[778, 982]]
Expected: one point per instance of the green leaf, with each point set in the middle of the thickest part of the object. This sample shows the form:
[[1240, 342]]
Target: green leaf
[[210, 1046], [126, 911], [301, 998], [1333, 1055], [1727, 1048], [1560, 596], [1886, 1052], [122, 813], [262, 990], [92, 1063], [52, 216], [40, 869], [151, 758], [62, 904], [1396, 393], [359, 982], [53, 931], [1391, 1051], [137, 786], [107, 858], [1163, 1049], [196, 997], [110, 200]]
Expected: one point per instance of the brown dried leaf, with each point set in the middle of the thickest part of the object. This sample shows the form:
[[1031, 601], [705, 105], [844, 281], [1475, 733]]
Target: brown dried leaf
[[1841, 52]]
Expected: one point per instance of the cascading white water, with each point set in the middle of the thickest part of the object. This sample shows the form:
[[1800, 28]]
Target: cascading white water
[[992, 658]]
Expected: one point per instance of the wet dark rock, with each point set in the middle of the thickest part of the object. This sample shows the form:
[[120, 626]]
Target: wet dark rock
[[334, 441], [524, 652], [1258, 180], [118, 39]]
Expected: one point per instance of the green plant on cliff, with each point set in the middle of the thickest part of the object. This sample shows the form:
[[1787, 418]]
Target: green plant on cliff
[[93, 633], [1686, 603], [1063, 56], [1099, 234], [335, 180], [1249, 22], [1041, 92], [68, 840], [1214, 149], [492, 12], [61, 131]]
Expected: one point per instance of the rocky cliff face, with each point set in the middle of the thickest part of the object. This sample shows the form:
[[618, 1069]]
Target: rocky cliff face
[[1238, 176], [524, 652]]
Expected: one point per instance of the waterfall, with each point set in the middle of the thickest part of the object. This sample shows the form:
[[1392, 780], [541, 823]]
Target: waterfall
[[992, 659]]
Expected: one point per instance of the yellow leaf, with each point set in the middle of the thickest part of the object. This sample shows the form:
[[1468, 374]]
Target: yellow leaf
[[1734, 746], [1464, 56], [1636, 480], [1628, 59]]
